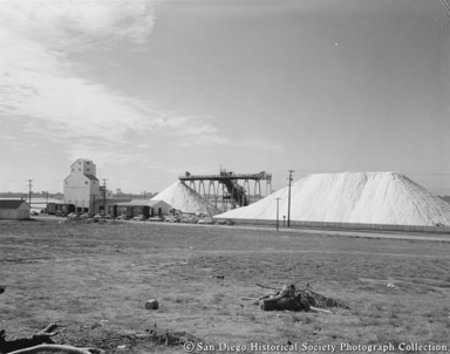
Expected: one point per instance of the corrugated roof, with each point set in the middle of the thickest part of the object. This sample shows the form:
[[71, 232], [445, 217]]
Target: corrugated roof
[[11, 203]]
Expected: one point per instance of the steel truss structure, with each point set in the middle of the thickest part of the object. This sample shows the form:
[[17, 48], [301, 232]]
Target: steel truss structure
[[224, 191]]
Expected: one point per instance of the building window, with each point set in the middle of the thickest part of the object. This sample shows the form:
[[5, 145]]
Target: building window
[[86, 182]]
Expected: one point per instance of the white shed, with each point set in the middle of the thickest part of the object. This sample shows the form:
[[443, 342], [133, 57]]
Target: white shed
[[159, 207], [15, 209]]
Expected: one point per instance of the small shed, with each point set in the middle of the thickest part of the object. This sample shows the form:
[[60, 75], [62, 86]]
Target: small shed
[[159, 207], [14, 209]]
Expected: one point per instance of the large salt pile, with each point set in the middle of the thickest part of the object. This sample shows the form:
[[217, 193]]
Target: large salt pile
[[184, 198], [359, 197]]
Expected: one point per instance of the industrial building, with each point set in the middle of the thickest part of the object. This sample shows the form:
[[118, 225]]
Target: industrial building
[[83, 193], [146, 208], [82, 188]]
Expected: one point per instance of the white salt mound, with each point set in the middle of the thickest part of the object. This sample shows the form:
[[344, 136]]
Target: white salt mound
[[184, 198], [352, 197]]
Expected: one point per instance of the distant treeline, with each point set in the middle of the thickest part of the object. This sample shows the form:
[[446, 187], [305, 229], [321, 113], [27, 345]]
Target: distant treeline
[[44, 194], [34, 195]]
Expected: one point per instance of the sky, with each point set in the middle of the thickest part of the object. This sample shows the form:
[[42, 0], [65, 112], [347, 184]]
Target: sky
[[149, 89]]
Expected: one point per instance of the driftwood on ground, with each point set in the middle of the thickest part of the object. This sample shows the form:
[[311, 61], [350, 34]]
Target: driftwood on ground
[[42, 337], [42, 343], [39, 343], [57, 348], [291, 299], [285, 299]]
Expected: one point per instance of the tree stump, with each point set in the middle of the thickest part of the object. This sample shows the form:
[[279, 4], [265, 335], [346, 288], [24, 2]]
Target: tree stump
[[286, 299]]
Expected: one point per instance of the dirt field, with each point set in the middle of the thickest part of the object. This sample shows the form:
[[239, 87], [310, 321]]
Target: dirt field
[[94, 280]]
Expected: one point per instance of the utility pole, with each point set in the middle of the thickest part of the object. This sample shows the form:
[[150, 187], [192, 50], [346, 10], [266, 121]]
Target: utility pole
[[278, 208], [46, 204], [93, 204], [104, 195], [289, 199], [29, 191]]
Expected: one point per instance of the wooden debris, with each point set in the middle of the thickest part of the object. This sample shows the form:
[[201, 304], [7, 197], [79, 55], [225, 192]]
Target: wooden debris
[[42, 337], [317, 300], [318, 309], [291, 299], [56, 348], [40, 343], [168, 338], [266, 287], [286, 299]]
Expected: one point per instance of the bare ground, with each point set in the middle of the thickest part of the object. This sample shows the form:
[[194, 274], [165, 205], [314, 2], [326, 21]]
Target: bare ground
[[94, 281]]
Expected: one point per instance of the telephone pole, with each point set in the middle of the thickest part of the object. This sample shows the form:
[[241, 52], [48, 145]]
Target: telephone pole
[[278, 208], [93, 205], [289, 199], [104, 195], [29, 191]]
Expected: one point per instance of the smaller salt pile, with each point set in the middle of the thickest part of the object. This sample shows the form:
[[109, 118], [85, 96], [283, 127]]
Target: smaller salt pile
[[184, 198], [352, 197]]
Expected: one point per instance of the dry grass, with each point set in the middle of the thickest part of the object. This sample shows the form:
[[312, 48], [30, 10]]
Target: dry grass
[[94, 280]]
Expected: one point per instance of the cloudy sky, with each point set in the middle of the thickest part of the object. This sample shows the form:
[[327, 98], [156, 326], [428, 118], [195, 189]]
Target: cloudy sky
[[151, 89]]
